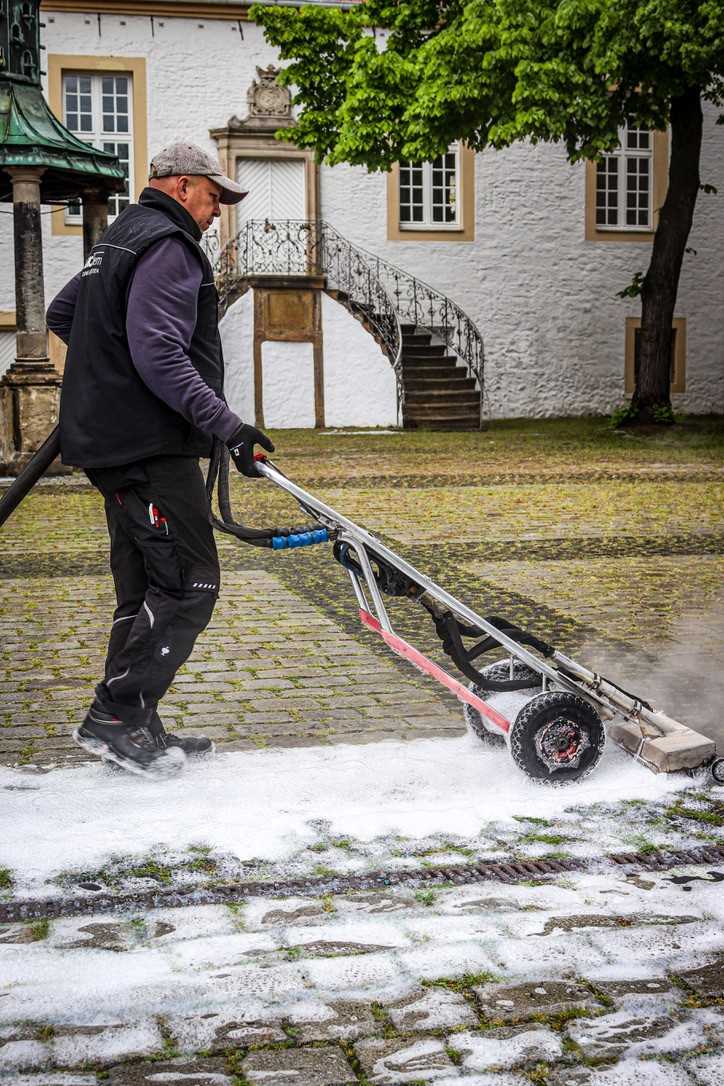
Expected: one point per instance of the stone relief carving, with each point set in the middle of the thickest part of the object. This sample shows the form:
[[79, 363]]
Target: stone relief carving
[[269, 105]]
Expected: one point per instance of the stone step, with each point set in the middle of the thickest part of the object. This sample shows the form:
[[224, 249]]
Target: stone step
[[442, 422], [431, 401], [416, 338], [448, 372], [454, 380], [421, 350], [435, 361], [467, 404]]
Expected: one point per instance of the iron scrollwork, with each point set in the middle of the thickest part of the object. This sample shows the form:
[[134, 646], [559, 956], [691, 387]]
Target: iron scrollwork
[[383, 295]]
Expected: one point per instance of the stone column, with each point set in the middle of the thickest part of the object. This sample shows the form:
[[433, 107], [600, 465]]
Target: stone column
[[30, 390], [95, 219]]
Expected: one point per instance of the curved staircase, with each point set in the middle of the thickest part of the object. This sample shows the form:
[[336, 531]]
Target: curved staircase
[[433, 346], [439, 393]]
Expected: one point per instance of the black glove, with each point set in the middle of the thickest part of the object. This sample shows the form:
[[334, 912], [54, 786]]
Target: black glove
[[241, 446]]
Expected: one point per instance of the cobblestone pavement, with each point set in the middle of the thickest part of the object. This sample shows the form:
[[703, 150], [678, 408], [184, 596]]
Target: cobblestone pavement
[[288, 991], [607, 543]]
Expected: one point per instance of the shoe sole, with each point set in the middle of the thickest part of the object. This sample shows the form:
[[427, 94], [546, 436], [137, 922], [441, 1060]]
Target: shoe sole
[[168, 765]]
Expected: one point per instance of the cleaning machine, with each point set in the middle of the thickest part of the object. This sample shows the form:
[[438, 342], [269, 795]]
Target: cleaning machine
[[547, 708]]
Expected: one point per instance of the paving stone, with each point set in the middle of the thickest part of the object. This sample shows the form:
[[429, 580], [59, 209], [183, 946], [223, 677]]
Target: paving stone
[[431, 1008], [387, 1063], [346, 1022], [625, 1073], [54, 1078], [216, 1032], [22, 1054], [507, 1047], [644, 986], [104, 1045], [706, 1070], [297, 1066], [635, 1024], [486, 1078], [706, 982], [522, 1002], [185, 1071]]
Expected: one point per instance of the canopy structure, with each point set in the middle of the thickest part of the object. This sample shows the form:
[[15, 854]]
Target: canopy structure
[[30, 135], [40, 162]]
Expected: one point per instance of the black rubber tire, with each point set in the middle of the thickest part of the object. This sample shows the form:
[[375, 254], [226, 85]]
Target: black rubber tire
[[538, 715], [717, 770], [501, 670]]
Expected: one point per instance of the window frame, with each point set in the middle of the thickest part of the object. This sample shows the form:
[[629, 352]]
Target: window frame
[[678, 376], [463, 230], [621, 157], [135, 67], [97, 137], [659, 180], [428, 207]]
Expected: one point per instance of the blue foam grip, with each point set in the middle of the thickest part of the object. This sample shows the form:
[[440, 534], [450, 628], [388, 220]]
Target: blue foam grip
[[302, 539]]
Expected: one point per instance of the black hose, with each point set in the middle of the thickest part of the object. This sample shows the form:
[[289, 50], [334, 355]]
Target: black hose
[[28, 477], [218, 475]]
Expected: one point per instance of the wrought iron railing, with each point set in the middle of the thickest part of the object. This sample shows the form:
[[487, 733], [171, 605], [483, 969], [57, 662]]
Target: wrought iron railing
[[383, 294]]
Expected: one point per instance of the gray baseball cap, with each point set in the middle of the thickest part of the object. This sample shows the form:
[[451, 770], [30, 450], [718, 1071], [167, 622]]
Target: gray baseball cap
[[187, 158]]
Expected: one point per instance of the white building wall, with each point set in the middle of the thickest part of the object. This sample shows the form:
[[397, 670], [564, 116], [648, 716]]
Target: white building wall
[[359, 382], [197, 78], [542, 296], [237, 340]]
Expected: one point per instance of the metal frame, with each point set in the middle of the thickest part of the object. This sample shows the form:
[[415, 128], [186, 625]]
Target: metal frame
[[565, 673]]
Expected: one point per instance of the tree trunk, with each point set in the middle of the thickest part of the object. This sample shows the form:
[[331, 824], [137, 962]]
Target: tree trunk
[[652, 396]]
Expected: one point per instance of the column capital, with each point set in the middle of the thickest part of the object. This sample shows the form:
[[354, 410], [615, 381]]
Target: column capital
[[25, 173]]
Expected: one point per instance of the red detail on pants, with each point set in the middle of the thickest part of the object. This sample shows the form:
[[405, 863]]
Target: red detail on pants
[[156, 517]]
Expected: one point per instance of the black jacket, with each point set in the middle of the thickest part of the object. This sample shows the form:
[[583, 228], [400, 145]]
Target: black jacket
[[108, 416]]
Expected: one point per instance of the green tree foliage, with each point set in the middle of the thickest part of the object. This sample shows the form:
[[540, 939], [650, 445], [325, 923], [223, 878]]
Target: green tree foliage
[[389, 81]]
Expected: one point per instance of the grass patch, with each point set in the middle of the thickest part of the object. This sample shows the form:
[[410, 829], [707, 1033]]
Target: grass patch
[[455, 1055], [6, 879], [39, 930], [545, 838], [425, 897], [533, 820], [463, 982], [713, 817]]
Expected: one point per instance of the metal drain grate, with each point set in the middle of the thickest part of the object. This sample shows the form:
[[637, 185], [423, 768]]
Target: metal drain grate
[[510, 871]]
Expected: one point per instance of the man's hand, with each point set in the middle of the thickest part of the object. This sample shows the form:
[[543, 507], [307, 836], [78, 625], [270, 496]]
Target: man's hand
[[241, 446]]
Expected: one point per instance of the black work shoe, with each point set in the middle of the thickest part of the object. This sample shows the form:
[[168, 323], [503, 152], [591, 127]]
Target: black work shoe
[[193, 746], [128, 745]]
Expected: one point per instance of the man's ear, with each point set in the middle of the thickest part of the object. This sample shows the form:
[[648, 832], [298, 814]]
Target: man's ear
[[182, 187]]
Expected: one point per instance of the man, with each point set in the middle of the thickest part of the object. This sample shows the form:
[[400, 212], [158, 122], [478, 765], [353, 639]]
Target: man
[[141, 402]]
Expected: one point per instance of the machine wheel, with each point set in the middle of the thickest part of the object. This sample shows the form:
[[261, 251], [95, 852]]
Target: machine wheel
[[717, 770], [490, 736], [557, 738]]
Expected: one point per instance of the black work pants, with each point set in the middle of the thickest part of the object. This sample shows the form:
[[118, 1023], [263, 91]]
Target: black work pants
[[166, 573]]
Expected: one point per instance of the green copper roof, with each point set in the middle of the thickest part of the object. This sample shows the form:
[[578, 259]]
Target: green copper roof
[[30, 135]]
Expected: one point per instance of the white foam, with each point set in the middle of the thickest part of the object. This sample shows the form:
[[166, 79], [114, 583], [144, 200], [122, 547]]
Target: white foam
[[262, 804]]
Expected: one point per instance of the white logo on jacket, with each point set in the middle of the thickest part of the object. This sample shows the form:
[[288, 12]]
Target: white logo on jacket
[[92, 265]]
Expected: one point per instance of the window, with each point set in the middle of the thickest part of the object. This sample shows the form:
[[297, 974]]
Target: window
[[626, 188], [98, 107], [429, 196], [433, 201], [678, 353], [624, 183]]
